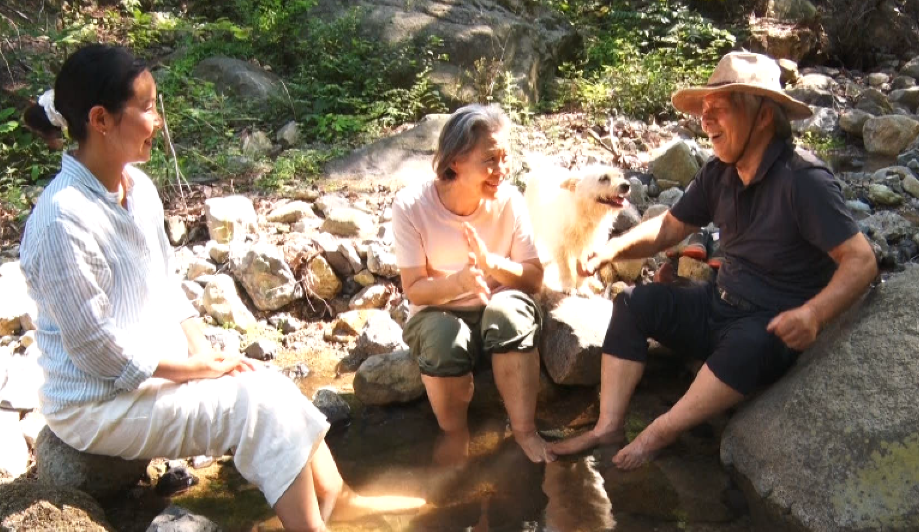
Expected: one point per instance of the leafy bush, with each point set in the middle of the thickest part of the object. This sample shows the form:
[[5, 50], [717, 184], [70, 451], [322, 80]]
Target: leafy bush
[[26, 159]]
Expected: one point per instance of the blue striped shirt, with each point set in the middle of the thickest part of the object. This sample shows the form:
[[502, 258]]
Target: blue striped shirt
[[109, 306]]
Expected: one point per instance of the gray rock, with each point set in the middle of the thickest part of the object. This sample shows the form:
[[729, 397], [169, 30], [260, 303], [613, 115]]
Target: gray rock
[[911, 185], [654, 211], [876, 79], [178, 519], [347, 250], [812, 96], [262, 349], [285, 323], [14, 453], [405, 157], [888, 225], [29, 505], [572, 336], [297, 372], [266, 276], [883, 195], [889, 135], [670, 196], [823, 122], [241, 79], [100, 476], [330, 245], [638, 193], [380, 335], [832, 445], [222, 301], [626, 219], [400, 313], [230, 218], [256, 144], [902, 82], [332, 405], [224, 339], [381, 261], [676, 162], [289, 134], [853, 121], [291, 212], [388, 379], [816, 81], [176, 230], [911, 68], [873, 102], [857, 206], [907, 97], [348, 222]]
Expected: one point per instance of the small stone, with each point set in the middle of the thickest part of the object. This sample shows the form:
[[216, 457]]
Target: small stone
[[690, 268], [27, 339], [882, 195], [911, 186], [332, 405], [262, 349], [298, 371], [289, 134], [365, 278], [373, 296], [291, 212], [285, 323]]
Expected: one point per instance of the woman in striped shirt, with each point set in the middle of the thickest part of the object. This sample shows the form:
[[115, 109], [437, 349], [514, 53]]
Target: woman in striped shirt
[[128, 369]]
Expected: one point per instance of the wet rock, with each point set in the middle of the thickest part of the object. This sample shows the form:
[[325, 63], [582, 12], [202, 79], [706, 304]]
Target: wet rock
[[222, 301], [883, 195], [178, 519], [30, 505], [100, 476], [176, 230], [348, 222], [387, 379], [832, 445], [14, 453], [853, 121], [572, 336], [676, 162], [291, 212], [381, 261], [332, 405], [289, 134], [380, 335], [230, 218], [889, 135], [265, 275], [262, 349], [320, 280]]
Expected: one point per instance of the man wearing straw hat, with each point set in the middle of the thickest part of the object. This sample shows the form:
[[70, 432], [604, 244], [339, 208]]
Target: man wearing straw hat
[[793, 260]]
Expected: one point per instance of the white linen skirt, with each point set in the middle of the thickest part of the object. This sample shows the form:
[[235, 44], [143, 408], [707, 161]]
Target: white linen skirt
[[272, 429]]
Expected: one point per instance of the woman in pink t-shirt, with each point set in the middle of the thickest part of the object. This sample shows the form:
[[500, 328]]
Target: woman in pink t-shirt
[[465, 249]]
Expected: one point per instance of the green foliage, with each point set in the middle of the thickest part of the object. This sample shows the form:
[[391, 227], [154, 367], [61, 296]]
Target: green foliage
[[298, 166], [636, 57], [819, 143], [26, 160]]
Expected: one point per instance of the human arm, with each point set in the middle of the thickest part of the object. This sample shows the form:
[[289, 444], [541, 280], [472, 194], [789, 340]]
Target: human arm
[[857, 267], [645, 240]]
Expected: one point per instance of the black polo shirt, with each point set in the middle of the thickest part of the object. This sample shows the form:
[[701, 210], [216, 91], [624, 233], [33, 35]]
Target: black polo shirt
[[775, 233]]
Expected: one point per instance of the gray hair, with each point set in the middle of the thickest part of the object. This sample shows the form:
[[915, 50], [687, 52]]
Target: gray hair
[[462, 132], [751, 103]]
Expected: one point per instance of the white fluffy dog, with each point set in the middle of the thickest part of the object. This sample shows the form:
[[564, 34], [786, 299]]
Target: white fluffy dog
[[572, 214]]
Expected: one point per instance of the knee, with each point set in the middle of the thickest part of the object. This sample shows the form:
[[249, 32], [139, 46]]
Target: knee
[[441, 343], [511, 322]]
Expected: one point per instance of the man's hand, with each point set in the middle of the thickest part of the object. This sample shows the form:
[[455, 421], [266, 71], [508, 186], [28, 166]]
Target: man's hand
[[472, 279], [797, 327]]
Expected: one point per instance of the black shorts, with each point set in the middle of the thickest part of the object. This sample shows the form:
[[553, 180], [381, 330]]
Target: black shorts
[[693, 321]]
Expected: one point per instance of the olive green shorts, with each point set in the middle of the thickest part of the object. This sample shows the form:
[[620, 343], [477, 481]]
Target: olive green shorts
[[452, 342]]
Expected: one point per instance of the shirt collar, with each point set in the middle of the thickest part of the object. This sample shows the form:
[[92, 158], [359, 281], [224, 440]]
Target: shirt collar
[[81, 175], [776, 148]]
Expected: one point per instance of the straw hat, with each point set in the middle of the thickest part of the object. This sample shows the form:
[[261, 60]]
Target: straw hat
[[742, 72]]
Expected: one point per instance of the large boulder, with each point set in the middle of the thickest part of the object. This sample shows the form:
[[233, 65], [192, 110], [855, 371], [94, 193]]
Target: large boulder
[[521, 38], [100, 476], [222, 302], [782, 41], [572, 337], [387, 379], [889, 135], [30, 505], [675, 162], [241, 79], [230, 218], [833, 446]]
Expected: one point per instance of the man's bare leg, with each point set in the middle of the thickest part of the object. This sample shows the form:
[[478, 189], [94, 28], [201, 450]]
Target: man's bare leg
[[450, 398], [707, 396], [517, 379], [618, 379]]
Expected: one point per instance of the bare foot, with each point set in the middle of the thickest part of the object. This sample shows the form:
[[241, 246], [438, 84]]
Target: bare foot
[[452, 448], [536, 448], [587, 440], [352, 506], [643, 448]]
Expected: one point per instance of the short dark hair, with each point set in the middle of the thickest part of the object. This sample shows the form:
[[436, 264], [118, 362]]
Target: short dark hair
[[462, 131], [97, 74]]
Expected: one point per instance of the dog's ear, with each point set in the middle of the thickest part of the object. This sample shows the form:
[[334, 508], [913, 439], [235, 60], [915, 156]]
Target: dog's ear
[[571, 183]]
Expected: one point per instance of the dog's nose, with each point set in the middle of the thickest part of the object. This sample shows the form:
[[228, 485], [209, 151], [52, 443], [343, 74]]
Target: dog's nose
[[623, 189]]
